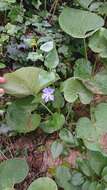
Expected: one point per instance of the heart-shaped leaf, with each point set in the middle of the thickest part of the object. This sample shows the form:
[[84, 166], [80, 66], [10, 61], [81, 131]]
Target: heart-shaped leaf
[[104, 174], [63, 176], [98, 83], [43, 183], [47, 46], [74, 89], [93, 185], [98, 42], [12, 171], [94, 133], [79, 23], [52, 59], [97, 161], [27, 81], [66, 136], [77, 179], [86, 185], [20, 118], [56, 149], [82, 69], [55, 122]]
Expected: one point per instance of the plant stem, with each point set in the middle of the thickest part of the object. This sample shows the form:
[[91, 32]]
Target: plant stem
[[46, 108], [45, 5], [94, 66], [85, 50]]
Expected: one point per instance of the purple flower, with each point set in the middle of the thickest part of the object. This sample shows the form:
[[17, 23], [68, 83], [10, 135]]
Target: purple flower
[[48, 94]]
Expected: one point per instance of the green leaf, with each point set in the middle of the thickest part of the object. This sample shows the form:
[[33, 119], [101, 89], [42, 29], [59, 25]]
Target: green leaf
[[17, 14], [94, 6], [87, 132], [27, 81], [85, 186], [66, 136], [84, 166], [4, 38], [100, 187], [20, 117], [35, 56], [98, 42], [56, 149], [52, 59], [58, 100], [93, 133], [85, 3], [98, 83], [62, 176], [82, 69], [77, 179], [10, 1], [8, 188], [104, 174], [55, 123], [47, 46], [2, 65], [12, 171], [43, 183], [97, 162], [11, 29], [102, 9], [74, 89], [83, 27], [4, 6], [36, 3], [93, 186]]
